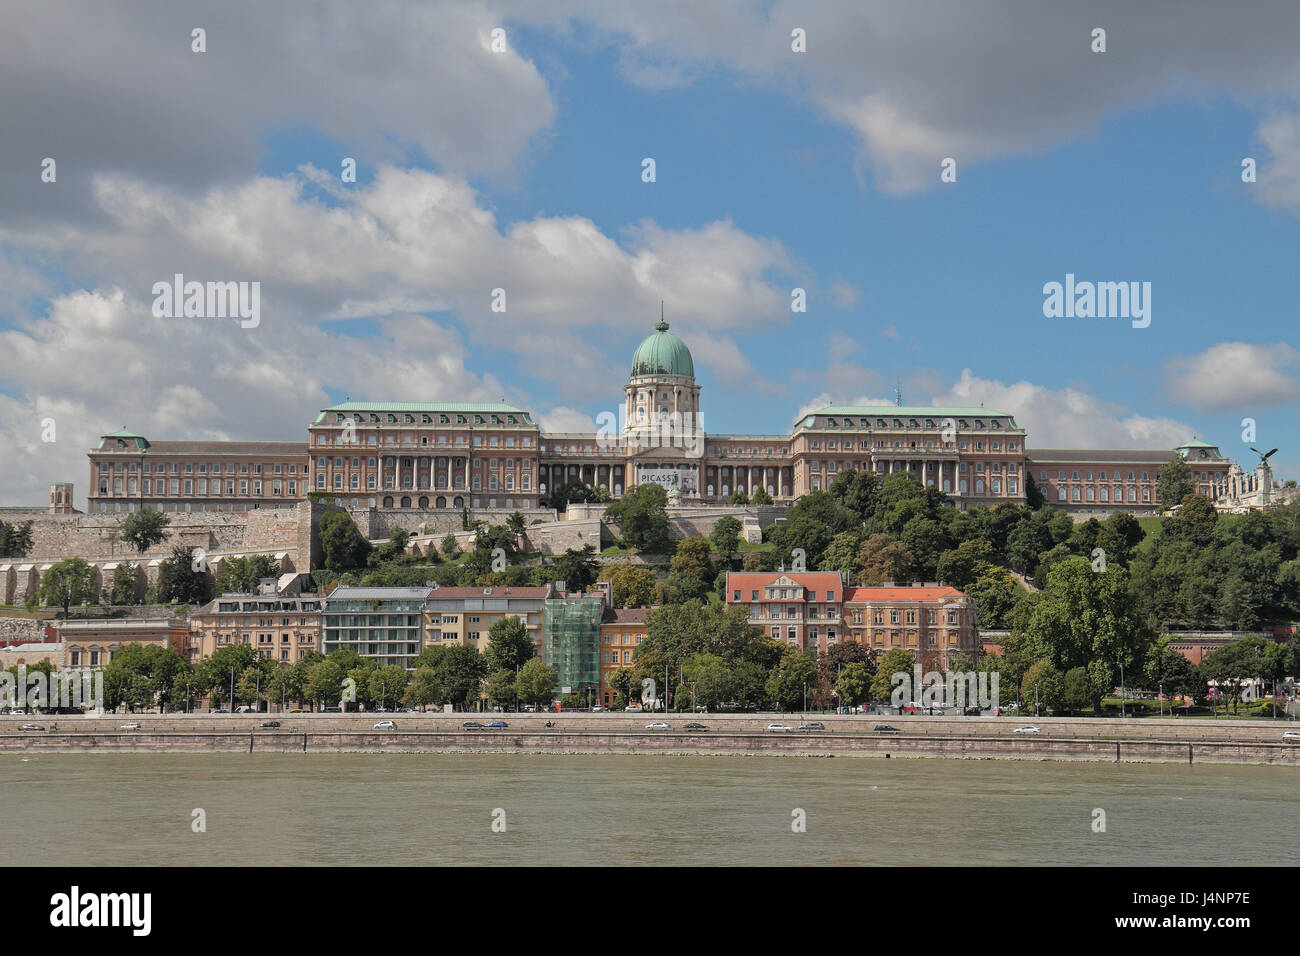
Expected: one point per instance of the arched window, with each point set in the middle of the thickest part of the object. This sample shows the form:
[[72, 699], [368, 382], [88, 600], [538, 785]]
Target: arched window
[[440, 502], [458, 502], [424, 502], [388, 501], [406, 501]]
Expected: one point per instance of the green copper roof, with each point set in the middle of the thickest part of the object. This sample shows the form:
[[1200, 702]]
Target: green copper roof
[[1197, 444], [662, 354]]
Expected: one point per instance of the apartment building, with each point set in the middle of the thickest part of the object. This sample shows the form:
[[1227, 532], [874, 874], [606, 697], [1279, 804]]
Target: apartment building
[[280, 628]]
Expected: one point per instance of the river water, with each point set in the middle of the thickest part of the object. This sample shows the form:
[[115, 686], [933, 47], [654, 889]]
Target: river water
[[340, 809]]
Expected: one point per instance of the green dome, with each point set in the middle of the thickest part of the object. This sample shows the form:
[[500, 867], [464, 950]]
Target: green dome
[[662, 354]]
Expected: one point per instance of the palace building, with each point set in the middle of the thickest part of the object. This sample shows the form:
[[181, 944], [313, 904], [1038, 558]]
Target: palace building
[[453, 455]]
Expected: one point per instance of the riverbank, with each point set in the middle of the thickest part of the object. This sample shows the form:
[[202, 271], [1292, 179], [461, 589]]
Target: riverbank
[[1062, 739]]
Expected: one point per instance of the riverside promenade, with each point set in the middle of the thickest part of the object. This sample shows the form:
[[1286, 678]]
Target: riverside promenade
[[1183, 741]]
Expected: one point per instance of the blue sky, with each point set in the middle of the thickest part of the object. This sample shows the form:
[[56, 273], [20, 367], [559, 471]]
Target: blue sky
[[524, 171]]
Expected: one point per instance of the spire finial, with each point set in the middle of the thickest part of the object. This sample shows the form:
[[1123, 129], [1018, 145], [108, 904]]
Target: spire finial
[[662, 326]]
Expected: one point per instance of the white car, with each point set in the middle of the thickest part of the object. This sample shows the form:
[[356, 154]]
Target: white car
[[130, 726], [1026, 730], [657, 725], [1291, 736], [385, 725], [778, 728], [633, 708]]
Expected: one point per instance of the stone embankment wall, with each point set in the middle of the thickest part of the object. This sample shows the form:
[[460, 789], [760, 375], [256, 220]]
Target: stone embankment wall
[[1191, 741]]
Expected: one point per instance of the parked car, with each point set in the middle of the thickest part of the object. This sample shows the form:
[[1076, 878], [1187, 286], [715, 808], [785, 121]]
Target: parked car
[[243, 709], [657, 725], [597, 709], [471, 725], [778, 728], [497, 725], [695, 727], [130, 725], [385, 725], [296, 710], [31, 727], [269, 724], [885, 729], [1028, 729], [1291, 736], [813, 725], [633, 708], [972, 712]]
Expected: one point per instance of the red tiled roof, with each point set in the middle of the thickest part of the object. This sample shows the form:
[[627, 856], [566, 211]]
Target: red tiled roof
[[901, 594], [626, 615]]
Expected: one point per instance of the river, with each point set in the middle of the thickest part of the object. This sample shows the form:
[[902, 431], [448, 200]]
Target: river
[[456, 810]]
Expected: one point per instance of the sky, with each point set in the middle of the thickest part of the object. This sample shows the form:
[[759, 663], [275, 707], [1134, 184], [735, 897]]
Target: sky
[[503, 146]]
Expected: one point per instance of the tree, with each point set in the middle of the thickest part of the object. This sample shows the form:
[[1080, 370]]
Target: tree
[[143, 529], [725, 536], [642, 516], [517, 524], [536, 682], [631, 586], [1088, 619], [896, 661], [577, 568], [761, 497], [212, 675], [693, 559], [842, 554], [324, 683], [459, 673], [15, 539], [123, 588], [960, 567], [450, 547], [792, 680], [387, 684], [1174, 481], [854, 684], [1173, 674], [71, 581], [995, 592], [391, 550], [1076, 691], [242, 575], [144, 675], [510, 646], [424, 688], [710, 678], [183, 578], [883, 559], [500, 689], [342, 543], [1044, 686], [1033, 494], [738, 497]]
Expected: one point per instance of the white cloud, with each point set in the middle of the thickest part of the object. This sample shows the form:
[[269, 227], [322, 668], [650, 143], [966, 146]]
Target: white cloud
[[1066, 417], [101, 361], [561, 418], [1234, 375], [919, 82], [1278, 173]]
